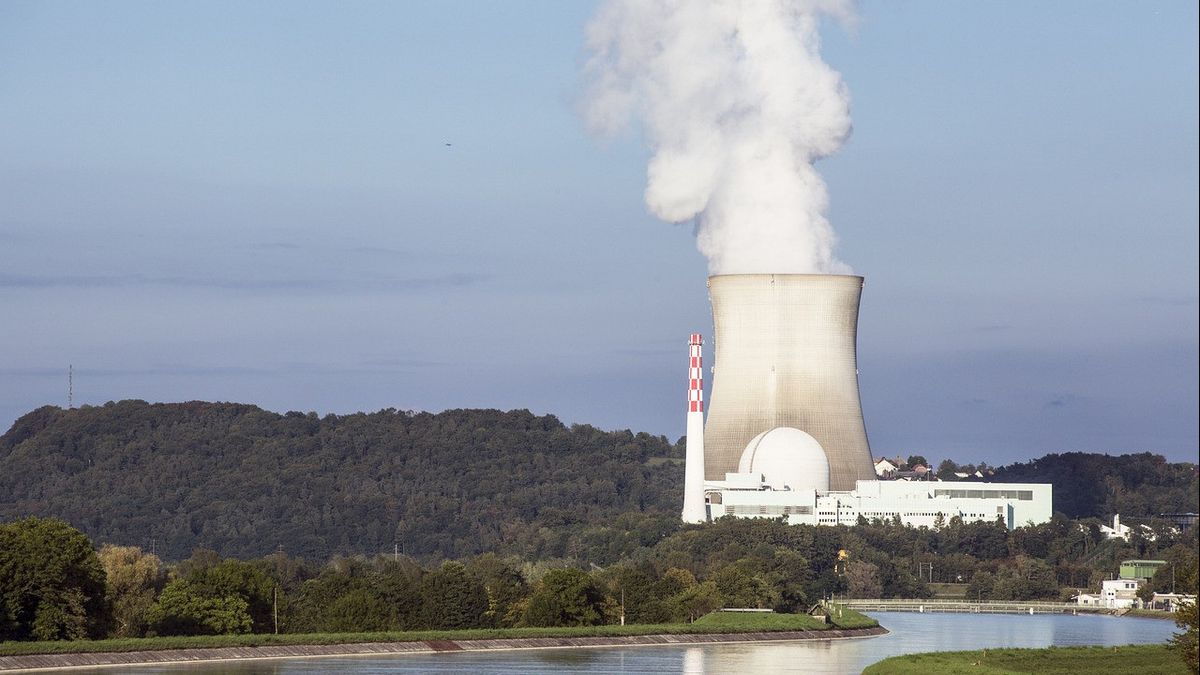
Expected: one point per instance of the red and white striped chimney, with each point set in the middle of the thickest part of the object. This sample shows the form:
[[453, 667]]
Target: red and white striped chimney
[[696, 374], [693, 470]]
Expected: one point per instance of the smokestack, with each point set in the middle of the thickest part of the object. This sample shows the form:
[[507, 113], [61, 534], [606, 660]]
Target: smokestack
[[786, 357], [693, 477]]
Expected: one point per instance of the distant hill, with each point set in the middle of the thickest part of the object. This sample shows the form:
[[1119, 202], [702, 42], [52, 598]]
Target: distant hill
[[1088, 485], [247, 482]]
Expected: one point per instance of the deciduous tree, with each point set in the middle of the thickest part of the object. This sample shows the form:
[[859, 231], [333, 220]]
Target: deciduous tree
[[51, 582], [566, 597], [134, 578]]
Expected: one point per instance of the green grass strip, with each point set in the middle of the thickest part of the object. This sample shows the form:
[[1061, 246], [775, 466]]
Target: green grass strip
[[717, 622], [1158, 659]]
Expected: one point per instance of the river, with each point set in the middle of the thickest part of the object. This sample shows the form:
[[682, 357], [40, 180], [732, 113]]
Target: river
[[909, 633]]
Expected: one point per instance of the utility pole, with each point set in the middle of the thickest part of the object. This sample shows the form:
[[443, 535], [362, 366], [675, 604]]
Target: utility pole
[[921, 566], [396, 552], [275, 606]]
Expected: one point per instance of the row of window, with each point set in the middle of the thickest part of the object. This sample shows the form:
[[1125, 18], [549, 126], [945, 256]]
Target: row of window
[[785, 510], [766, 510], [1023, 495]]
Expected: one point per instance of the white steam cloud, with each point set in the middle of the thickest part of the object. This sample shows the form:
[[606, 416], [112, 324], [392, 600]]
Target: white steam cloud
[[736, 104]]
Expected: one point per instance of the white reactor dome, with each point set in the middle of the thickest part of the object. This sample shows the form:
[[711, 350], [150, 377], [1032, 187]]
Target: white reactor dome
[[788, 459]]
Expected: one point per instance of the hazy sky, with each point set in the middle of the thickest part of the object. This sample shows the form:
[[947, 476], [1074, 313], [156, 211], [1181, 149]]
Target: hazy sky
[[256, 202]]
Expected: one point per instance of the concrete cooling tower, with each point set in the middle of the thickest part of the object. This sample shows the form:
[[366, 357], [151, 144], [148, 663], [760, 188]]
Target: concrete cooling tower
[[786, 357]]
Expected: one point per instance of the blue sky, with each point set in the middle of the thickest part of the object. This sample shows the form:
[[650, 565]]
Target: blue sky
[[256, 203]]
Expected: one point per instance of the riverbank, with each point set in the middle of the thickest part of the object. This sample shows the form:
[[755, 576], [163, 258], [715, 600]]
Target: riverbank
[[1158, 659], [718, 627], [35, 662]]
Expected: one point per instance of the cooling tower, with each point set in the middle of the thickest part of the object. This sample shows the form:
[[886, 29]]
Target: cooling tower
[[785, 356]]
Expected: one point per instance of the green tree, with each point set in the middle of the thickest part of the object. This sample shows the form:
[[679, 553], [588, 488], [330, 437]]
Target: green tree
[[398, 584], [184, 609], [637, 588], [452, 598], [696, 601], [862, 580], [51, 582], [134, 578], [566, 597], [741, 587], [316, 596], [1186, 616], [504, 585], [214, 596], [914, 460], [981, 586], [358, 611], [242, 579], [1187, 643]]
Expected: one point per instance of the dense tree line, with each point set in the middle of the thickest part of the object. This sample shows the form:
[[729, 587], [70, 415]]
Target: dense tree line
[[1089, 485], [245, 482], [54, 585]]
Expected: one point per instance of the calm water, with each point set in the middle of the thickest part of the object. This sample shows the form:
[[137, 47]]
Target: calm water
[[909, 633]]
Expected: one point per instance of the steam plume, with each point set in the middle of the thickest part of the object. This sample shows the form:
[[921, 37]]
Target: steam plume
[[736, 105]]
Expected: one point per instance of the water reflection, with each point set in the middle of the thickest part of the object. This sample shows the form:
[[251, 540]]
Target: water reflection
[[909, 633]]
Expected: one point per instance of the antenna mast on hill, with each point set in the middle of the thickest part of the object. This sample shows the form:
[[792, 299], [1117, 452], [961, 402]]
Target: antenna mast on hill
[[70, 386]]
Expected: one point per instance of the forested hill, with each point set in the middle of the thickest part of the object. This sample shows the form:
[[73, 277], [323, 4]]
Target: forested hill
[[248, 482], [1091, 485]]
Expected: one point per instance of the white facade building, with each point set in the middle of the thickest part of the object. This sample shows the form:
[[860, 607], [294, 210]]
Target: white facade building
[[918, 503], [1120, 593]]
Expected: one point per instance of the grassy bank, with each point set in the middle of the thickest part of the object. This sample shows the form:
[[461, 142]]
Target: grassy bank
[[752, 621], [1150, 614], [717, 622], [1157, 659]]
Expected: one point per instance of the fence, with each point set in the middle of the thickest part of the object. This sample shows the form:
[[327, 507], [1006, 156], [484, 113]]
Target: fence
[[967, 607]]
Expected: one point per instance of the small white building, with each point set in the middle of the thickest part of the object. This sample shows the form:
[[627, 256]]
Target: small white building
[[1117, 531], [1120, 593], [1170, 601], [884, 468]]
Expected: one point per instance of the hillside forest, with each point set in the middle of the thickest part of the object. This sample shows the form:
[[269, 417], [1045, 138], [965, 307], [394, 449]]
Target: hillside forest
[[245, 482], [135, 519]]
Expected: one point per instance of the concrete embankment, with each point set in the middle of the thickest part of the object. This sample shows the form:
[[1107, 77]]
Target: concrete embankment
[[34, 662], [968, 607]]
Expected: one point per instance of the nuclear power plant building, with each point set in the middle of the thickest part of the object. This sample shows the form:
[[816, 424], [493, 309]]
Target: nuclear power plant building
[[785, 436], [786, 357]]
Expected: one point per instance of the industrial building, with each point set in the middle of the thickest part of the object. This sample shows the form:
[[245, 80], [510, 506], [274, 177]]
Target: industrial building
[[916, 503], [785, 436]]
